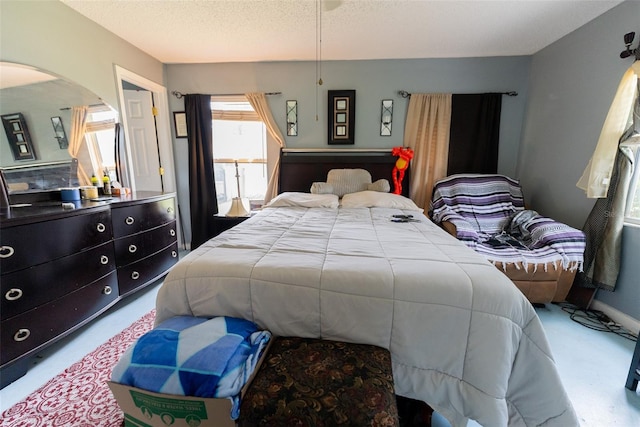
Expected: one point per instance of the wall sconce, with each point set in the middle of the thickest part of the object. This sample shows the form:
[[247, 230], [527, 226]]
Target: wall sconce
[[386, 117], [292, 118], [58, 129]]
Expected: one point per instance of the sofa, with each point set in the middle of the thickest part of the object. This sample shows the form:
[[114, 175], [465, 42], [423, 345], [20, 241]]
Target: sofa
[[487, 212]]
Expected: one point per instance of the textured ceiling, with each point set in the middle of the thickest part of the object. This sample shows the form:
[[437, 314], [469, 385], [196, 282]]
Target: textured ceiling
[[205, 31]]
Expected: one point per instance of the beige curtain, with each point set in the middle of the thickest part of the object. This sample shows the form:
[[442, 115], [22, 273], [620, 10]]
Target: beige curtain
[[77, 146], [427, 132], [259, 103], [596, 177]]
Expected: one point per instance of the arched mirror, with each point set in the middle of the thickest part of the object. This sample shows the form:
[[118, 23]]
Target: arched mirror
[[42, 146]]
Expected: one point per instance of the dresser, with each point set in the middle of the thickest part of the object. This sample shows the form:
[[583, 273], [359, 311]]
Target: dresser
[[62, 268], [145, 241]]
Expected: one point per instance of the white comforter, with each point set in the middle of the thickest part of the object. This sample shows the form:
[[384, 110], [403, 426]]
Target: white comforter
[[461, 336]]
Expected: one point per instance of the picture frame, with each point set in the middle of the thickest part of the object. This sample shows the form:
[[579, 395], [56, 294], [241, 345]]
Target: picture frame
[[15, 126], [292, 117], [386, 117], [342, 116], [180, 124], [60, 134]]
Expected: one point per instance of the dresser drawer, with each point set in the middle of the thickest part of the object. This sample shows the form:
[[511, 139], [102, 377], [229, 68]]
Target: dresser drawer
[[28, 331], [136, 218], [141, 273], [31, 287], [133, 248], [32, 244]]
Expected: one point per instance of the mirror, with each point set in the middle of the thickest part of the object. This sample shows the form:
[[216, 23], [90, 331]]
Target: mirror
[[44, 103], [292, 118], [386, 117]]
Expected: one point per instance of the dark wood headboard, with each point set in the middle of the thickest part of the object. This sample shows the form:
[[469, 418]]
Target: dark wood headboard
[[299, 168]]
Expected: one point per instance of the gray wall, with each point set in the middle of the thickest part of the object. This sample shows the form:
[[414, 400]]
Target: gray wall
[[38, 103], [373, 81], [565, 92], [55, 38], [572, 84]]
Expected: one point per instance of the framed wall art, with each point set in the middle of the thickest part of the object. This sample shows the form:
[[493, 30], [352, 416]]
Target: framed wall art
[[180, 124], [292, 118], [18, 135], [342, 116], [386, 117]]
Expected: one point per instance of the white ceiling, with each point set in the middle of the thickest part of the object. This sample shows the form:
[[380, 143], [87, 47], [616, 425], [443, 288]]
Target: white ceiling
[[206, 31]]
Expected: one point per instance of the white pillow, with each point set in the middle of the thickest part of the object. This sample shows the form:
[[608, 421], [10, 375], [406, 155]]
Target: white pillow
[[321, 188], [381, 185], [304, 200], [376, 199], [346, 181]]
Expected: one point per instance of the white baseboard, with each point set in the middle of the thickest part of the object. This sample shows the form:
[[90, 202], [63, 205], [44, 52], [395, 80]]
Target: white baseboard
[[627, 322]]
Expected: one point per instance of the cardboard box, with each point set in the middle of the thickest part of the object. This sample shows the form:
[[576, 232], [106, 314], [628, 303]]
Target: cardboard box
[[144, 408]]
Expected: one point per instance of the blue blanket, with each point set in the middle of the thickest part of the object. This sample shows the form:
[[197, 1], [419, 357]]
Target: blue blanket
[[194, 356]]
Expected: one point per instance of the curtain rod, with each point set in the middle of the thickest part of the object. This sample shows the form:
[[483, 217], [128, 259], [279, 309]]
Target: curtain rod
[[336, 150], [180, 95], [405, 94]]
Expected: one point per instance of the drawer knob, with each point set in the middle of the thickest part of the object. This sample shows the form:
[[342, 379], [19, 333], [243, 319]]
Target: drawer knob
[[133, 248], [21, 335], [135, 275], [129, 220], [172, 232], [101, 227], [170, 210], [174, 254], [6, 251], [13, 294], [106, 290], [104, 260]]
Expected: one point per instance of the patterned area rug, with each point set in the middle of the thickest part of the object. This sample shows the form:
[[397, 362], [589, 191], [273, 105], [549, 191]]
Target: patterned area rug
[[80, 396]]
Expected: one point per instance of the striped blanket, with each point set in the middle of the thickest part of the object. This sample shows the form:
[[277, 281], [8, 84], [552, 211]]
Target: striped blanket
[[194, 356], [490, 217]]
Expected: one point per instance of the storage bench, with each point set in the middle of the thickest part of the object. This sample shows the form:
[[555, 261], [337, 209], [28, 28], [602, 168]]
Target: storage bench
[[313, 382]]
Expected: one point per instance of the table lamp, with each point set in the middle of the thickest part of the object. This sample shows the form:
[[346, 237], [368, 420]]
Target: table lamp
[[237, 208]]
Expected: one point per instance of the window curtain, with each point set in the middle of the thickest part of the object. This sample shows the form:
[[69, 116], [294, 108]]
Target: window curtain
[[259, 103], [77, 146], [475, 133], [427, 132], [596, 178], [608, 178], [603, 228], [202, 191]]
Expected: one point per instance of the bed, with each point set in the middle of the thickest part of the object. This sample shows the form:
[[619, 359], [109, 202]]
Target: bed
[[462, 337]]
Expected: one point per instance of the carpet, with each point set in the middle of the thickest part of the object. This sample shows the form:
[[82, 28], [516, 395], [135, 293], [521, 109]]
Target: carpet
[[79, 396]]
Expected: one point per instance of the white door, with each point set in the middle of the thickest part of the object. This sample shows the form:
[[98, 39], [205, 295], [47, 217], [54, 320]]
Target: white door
[[143, 141]]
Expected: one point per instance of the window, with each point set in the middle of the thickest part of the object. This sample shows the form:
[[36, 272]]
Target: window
[[238, 136], [100, 137]]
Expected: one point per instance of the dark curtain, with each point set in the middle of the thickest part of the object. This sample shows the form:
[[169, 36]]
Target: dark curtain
[[202, 189], [475, 133]]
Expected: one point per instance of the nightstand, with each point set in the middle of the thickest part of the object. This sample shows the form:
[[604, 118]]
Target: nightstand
[[222, 222]]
